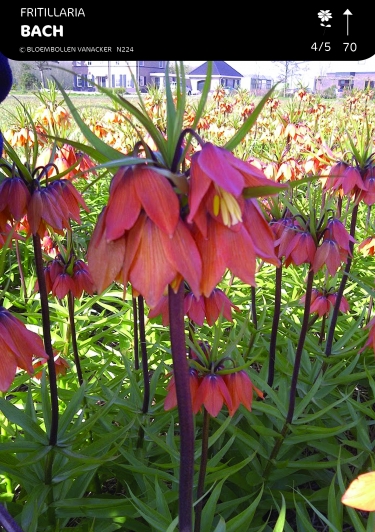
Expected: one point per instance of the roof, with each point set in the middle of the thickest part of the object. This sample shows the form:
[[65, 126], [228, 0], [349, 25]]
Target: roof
[[219, 68]]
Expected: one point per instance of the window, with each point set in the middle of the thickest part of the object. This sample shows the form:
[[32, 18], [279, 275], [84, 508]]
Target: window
[[142, 81], [345, 84], [79, 81], [89, 63], [141, 63], [161, 64]]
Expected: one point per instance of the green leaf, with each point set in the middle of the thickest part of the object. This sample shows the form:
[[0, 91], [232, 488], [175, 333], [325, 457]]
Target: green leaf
[[17, 416], [248, 124], [210, 505], [221, 527], [279, 526], [245, 517]]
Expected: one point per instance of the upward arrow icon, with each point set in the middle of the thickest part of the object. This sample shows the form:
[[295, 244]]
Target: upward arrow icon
[[347, 13]]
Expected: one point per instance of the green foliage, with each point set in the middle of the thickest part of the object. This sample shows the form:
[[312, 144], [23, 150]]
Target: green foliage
[[330, 92], [115, 466]]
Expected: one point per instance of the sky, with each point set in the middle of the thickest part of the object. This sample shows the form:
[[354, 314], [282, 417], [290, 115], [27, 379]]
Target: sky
[[308, 69]]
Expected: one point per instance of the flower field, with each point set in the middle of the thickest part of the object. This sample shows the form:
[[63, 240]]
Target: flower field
[[187, 324]]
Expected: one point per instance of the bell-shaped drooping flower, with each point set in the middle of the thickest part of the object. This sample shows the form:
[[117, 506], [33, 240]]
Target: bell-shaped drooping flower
[[54, 206], [301, 249], [137, 188], [344, 178], [63, 278], [171, 398], [155, 249], [198, 309], [82, 279], [14, 198], [335, 247], [217, 183], [19, 347], [344, 305], [368, 194], [218, 304], [212, 394], [240, 389], [323, 301], [235, 249], [327, 254], [337, 232]]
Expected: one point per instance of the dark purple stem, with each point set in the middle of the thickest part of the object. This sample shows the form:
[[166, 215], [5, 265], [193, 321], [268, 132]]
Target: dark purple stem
[[184, 405], [340, 292], [74, 337], [142, 335], [135, 333], [275, 326], [47, 339]]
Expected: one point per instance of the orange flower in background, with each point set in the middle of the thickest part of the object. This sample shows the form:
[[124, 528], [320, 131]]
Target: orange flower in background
[[18, 346], [367, 246], [361, 493], [61, 366], [218, 304], [59, 282], [198, 309], [370, 342], [53, 206], [322, 302], [240, 390]]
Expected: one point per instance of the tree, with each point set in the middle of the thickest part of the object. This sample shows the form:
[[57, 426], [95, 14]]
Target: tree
[[27, 80], [288, 70], [42, 66]]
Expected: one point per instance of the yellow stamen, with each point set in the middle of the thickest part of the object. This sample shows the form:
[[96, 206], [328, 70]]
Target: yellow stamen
[[216, 205], [227, 205]]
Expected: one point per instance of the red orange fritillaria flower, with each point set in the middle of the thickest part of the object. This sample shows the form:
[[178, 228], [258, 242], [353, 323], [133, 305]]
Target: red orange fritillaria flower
[[212, 394], [143, 217], [198, 309], [240, 389], [367, 246], [61, 366], [54, 205], [217, 181], [18, 346], [171, 398]]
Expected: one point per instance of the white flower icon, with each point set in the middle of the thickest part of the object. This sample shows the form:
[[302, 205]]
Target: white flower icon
[[324, 15]]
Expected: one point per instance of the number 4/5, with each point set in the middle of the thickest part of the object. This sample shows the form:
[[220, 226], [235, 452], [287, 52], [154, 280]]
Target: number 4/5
[[321, 46]]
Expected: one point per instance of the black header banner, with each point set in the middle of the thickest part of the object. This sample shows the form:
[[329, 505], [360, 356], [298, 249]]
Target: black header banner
[[242, 32]]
